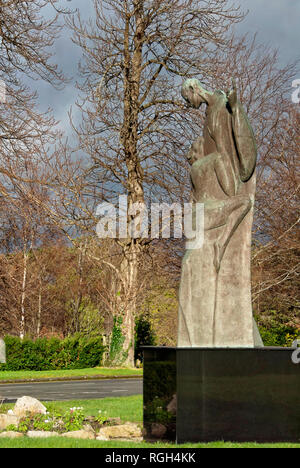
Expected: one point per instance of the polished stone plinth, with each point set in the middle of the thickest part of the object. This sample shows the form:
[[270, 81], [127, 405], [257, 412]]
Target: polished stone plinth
[[159, 370], [221, 394]]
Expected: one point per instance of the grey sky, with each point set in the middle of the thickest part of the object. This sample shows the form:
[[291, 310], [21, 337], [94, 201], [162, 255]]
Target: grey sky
[[277, 24], [275, 21]]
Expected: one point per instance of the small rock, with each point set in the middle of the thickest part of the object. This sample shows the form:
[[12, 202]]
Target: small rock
[[81, 434], [101, 437], [172, 406], [41, 434], [133, 439], [7, 420], [158, 430], [124, 431], [29, 405], [11, 434], [88, 428]]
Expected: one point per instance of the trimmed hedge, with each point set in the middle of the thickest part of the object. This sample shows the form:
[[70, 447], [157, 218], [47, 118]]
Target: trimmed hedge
[[52, 354], [279, 336]]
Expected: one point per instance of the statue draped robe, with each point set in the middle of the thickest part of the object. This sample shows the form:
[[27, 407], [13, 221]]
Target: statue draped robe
[[215, 307]]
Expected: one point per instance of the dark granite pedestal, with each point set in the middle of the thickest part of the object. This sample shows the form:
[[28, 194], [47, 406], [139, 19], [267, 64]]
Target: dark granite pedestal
[[209, 394]]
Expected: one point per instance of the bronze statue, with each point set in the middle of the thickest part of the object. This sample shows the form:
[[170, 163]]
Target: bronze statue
[[215, 291]]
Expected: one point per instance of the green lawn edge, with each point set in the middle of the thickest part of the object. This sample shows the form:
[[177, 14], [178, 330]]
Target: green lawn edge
[[69, 374], [64, 442]]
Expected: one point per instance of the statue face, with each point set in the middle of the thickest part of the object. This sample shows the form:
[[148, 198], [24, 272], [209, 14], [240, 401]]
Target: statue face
[[193, 93]]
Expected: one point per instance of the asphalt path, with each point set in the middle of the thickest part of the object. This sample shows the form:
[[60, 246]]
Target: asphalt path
[[73, 390]]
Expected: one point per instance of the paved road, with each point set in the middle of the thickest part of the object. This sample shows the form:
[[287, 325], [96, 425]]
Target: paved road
[[73, 390]]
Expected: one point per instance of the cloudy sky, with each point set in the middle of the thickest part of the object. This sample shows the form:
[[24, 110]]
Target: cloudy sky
[[275, 21], [277, 24]]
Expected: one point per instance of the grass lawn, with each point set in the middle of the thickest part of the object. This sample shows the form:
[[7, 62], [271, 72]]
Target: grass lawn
[[90, 373], [128, 409], [57, 442]]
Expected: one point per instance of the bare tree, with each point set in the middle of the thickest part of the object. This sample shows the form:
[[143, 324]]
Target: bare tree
[[134, 55], [24, 230], [276, 255], [26, 49], [27, 39], [26, 46]]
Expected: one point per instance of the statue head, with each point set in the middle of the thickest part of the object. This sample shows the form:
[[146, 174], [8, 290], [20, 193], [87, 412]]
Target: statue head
[[194, 93]]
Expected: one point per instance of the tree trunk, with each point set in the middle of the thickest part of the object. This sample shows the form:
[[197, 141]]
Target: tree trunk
[[129, 138], [23, 294], [78, 301], [39, 314], [129, 274]]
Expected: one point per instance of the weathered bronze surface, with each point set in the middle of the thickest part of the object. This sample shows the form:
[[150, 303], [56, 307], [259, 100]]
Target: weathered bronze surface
[[215, 290]]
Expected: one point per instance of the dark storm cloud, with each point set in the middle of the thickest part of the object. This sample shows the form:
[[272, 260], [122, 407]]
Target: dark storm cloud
[[67, 55], [275, 21], [277, 24]]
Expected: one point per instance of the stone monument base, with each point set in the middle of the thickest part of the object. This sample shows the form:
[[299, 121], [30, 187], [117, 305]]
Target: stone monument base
[[215, 394]]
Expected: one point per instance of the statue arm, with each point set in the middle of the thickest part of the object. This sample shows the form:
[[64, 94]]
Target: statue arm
[[243, 136], [245, 142]]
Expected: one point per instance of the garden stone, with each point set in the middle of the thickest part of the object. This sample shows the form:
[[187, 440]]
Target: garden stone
[[11, 434], [172, 406], [101, 437], [81, 434], [124, 431], [2, 352], [8, 419], [29, 405], [88, 428], [41, 434], [158, 430]]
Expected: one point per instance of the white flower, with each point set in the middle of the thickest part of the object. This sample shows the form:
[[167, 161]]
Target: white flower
[[77, 408], [10, 411]]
